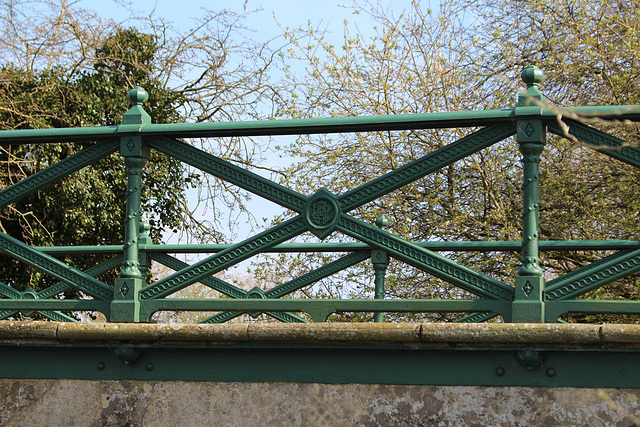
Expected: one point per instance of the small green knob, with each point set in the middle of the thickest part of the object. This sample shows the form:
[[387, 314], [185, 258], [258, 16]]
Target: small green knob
[[382, 222], [532, 76], [137, 95]]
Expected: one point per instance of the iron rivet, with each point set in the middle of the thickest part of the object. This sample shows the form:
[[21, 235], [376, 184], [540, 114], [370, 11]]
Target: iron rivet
[[149, 366], [101, 366], [551, 372], [500, 371]]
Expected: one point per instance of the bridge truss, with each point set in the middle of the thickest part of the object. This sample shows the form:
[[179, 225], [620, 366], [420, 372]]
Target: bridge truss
[[130, 300]]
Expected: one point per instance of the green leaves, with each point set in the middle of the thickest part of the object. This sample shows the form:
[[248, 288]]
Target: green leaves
[[442, 61], [86, 208]]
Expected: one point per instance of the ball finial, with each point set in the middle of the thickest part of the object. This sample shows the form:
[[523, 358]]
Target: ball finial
[[532, 76], [138, 95], [382, 222]]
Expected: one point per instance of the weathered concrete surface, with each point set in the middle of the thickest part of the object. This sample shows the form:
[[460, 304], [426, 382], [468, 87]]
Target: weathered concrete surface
[[166, 403], [564, 335], [137, 403]]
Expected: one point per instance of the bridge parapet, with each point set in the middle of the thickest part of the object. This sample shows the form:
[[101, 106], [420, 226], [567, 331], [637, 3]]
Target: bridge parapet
[[489, 354], [526, 299]]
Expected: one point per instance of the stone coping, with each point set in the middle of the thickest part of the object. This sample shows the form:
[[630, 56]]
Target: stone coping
[[455, 334]]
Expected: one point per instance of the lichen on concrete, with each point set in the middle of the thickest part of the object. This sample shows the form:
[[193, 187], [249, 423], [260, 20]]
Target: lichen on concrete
[[162, 403], [425, 333]]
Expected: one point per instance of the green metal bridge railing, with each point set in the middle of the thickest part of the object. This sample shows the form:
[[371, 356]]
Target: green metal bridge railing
[[131, 299]]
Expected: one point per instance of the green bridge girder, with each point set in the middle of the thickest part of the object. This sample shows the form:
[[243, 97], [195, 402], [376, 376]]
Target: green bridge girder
[[493, 355]]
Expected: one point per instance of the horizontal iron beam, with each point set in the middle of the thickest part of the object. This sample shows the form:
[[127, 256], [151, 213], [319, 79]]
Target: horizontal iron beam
[[54, 304], [337, 363], [533, 355], [555, 309], [470, 246], [321, 309], [311, 126]]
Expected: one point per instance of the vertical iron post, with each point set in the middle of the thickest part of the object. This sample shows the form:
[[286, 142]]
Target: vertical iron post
[[528, 305], [126, 304], [144, 264], [380, 261]]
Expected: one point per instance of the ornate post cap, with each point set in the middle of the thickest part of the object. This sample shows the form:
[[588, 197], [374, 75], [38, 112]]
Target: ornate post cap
[[532, 76], [137, 96], [136, 114]]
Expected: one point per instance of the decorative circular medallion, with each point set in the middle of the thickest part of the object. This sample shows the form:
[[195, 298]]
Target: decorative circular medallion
[[321, 213]]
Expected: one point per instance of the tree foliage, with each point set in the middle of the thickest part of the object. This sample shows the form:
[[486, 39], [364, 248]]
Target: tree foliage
[[93, 199], [467, 56]]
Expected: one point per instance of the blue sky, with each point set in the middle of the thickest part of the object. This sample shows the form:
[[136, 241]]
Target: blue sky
[[262, 14]]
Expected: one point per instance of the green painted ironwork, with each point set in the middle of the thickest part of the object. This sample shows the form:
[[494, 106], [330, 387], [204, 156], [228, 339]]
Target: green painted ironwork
[[338, 364], [380, 262], [56, 172], [529, 303], [133, 299]]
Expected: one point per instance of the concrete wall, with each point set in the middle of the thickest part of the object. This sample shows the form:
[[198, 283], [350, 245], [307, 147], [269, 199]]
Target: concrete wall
[[138, 403]]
